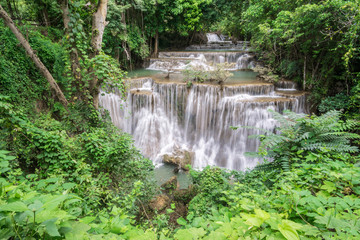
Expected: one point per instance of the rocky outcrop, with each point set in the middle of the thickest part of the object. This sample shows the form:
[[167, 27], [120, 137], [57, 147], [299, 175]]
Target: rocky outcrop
[[170, 186], [180, 158], [265, 74], [160, 202]]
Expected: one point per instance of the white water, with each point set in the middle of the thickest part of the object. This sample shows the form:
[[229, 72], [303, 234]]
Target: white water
[[167, 116], [171, 61], [213, 37]]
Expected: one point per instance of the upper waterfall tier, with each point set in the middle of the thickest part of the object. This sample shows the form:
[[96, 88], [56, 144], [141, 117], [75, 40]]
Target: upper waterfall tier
[[165, 116], [222, 45], [220, 42], [181, 60]]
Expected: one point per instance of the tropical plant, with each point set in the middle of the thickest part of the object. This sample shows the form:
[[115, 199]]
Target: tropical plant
[[300, 134]]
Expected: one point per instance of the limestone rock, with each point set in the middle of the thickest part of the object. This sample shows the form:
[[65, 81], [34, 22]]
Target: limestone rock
[[180, 158], [171, 185], [185, 195], [160, 202]]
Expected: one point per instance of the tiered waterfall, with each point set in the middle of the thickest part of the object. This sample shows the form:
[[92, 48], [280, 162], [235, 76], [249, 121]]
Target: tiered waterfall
[[164, 115]]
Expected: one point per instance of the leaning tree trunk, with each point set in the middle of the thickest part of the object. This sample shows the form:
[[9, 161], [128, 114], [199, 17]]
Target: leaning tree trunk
[[98, 26], [45, 72]]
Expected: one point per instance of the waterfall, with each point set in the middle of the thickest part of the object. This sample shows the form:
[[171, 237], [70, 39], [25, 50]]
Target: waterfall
[[181, 60], [213, 37], [164, 116]]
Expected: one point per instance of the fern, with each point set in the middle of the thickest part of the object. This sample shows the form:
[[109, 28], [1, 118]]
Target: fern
[[309, 134]]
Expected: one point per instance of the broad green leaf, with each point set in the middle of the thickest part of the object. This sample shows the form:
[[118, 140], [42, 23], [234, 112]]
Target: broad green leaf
[[87, 220], [78, 231], [310, 231], [181, 221], [36, 206], [67, 186], [252, 220], [197, 222], [328, 186], [149, 235], [288, 231], [54, 202], [216, 235], [46, 214], [14, 207], [189, 234], [262, 214], [51, 227], [6, 233]]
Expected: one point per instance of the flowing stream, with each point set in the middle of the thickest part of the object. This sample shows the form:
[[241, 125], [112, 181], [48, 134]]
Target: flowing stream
[[166, 117]]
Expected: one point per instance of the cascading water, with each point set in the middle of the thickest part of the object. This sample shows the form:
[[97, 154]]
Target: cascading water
[[220, 42], [213, 37], [165, 116], [182, 60]]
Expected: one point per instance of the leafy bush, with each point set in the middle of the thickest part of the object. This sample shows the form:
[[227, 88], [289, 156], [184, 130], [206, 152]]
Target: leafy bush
[[102, 161], [318, 199], [337, 102], [26, 213], [299, 134], [199, 73]]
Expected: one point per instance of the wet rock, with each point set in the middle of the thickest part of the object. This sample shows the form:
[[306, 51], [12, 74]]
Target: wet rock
[[171, 185], [160, 202], [180, 158], [185, 195]]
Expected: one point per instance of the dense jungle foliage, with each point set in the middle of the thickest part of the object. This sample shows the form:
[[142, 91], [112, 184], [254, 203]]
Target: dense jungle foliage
[[67, 173]]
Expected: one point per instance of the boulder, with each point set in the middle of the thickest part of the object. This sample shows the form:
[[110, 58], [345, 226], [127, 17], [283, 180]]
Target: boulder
[[171, 185], [185, 195], [160, 202], [180, 158]]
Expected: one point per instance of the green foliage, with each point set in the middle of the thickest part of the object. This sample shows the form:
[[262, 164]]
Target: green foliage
[[318, 199], [97, 161], [211, 182], [26, 213], [299, 135], [19, 75], [337, 102], [198, 73], [313, 42]]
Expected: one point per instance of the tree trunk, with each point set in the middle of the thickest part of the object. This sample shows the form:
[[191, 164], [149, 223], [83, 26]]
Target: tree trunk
[[98, 26], [123, 44], [64, 5], [156, 47], [74, 55], [45, 72], [46, 17], [304, 74]]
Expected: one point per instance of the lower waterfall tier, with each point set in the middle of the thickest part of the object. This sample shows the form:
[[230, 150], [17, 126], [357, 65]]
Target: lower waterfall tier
[[170, 119]]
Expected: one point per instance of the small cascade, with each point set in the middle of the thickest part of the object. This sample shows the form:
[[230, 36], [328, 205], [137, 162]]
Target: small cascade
[[213, 37], [284, 85], [181, 60], [164, 116], [220, 42]]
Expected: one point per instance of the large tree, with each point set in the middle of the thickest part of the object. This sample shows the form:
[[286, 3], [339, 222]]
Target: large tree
[[86, 59], [25, 44]]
